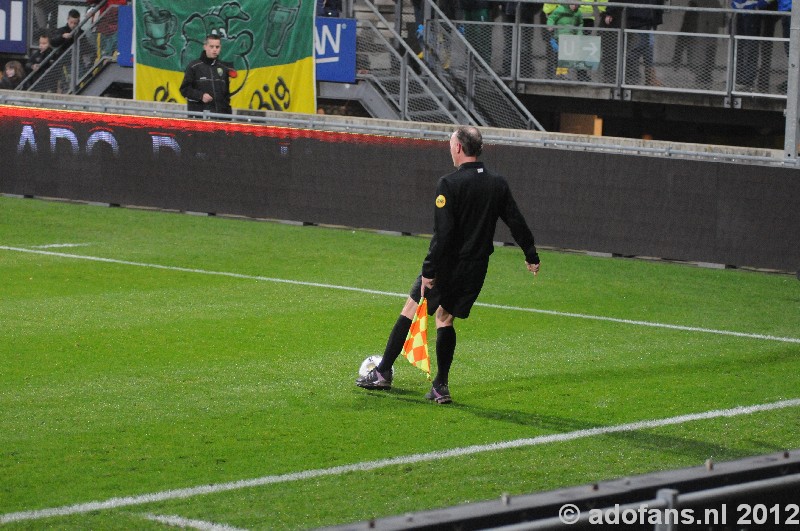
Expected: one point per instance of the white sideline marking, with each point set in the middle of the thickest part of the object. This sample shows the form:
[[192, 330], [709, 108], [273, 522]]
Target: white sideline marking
[[115, 503], [60, 245], [388, 293], [177, 521], [645, 323]]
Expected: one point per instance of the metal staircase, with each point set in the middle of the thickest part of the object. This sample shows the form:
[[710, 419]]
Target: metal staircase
[[450, 58], [394, 72], [83, 67]]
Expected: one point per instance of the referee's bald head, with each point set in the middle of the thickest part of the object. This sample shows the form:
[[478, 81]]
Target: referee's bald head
[[470, 139]]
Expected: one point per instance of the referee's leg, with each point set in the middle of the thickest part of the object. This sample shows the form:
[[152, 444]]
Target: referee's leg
[[397, 337], [445, 345]]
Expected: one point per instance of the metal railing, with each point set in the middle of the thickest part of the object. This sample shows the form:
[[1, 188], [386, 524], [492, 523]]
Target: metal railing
[[702, 51], [402, 79], [722, 62], [451, 53], [77, 61]]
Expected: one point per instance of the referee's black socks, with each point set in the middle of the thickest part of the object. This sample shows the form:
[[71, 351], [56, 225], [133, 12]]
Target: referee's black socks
[[445, 349], [394, 346]]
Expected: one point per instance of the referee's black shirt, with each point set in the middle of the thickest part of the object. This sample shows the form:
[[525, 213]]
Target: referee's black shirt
[[469, 202]]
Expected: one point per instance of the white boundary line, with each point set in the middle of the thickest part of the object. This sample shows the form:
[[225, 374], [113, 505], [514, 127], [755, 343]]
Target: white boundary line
[[390, 294], [60, 245], [115, 503], [178, 521]]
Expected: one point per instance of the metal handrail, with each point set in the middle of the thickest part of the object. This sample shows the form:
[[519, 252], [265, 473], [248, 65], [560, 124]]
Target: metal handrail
[[409, 55], [531, 122], [34, 77]]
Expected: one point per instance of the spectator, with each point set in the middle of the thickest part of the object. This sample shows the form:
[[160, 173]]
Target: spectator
[[785, 6], [448, 7], [419, 24], [41, 59], [479, 35], [108, 4], [748, 24], [701, 59], [44, 15], [63, 36], [475, 10], [593, 13], [106, 24], [527, 13], [639, 44], [563, 20], [329, 8], [62, 41], [13, 74]]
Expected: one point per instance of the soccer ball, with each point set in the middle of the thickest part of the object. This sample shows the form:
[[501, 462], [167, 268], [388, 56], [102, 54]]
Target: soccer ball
[[370, 363]]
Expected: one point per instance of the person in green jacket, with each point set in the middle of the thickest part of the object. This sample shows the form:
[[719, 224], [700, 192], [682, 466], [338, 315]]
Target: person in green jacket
[[589, 12], [563, 20]]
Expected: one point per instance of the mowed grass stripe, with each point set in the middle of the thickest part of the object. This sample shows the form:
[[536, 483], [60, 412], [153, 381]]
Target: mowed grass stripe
[[121, 380], [115, 503], [391, 294]]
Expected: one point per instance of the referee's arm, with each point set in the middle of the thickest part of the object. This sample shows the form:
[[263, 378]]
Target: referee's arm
[[522, 234], [443, 228]]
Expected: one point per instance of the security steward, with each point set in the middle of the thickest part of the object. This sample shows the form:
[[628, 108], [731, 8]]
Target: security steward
[[206, 81]]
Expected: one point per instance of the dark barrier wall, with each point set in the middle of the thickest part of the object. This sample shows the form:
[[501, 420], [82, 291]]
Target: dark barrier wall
[[642, 206], [735, 214]]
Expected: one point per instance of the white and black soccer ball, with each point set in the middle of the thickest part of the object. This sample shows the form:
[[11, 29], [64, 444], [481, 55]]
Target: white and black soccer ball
[[370, 363]]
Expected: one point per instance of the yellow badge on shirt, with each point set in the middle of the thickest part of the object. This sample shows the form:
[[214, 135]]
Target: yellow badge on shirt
[[440, 201]]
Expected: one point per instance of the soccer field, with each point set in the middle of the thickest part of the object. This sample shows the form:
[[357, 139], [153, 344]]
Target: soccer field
[[161, 369]]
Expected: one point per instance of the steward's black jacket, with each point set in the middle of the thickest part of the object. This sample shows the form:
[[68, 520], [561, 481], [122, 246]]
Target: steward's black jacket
[[469, 202], [209, 76]]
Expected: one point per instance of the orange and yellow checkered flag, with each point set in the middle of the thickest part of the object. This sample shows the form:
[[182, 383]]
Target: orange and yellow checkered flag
[[415, 348]]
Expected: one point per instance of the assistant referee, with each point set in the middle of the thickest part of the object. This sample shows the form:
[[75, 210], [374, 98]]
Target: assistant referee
[[469, 202]]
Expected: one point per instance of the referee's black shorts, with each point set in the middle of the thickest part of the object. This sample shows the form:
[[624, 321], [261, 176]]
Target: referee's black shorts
[[456, 291]]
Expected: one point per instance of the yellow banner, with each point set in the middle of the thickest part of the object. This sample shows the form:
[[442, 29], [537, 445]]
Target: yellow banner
[[288, 88], [267, 44], [155, 84]]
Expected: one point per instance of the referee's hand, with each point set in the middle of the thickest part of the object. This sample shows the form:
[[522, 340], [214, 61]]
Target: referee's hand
[[427, 284], [533, 268]]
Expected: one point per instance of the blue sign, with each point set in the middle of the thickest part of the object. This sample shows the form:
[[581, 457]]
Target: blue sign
[[13, 29], [125, 36], [335, 49]]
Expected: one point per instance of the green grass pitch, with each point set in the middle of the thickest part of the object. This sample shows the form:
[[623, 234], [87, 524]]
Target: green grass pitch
[[118, 379]]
